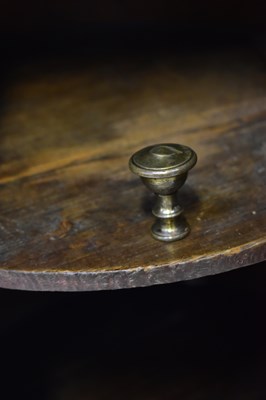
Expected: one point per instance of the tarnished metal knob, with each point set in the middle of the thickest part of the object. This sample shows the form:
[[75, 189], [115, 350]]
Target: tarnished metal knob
[[163, 168]]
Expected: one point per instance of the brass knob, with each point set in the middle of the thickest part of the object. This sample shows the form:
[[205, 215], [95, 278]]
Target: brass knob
[[163, 168]]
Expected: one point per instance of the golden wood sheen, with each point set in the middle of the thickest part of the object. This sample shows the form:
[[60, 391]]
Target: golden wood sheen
[[73, 217]]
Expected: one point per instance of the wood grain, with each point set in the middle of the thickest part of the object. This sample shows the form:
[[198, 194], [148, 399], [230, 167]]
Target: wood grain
[[73, 217]]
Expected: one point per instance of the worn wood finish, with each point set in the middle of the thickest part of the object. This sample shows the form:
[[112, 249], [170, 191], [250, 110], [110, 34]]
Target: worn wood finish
[[73, 217]]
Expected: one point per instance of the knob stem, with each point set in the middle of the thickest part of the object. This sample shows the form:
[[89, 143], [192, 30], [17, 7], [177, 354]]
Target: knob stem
[[170, 225], [166, 206]]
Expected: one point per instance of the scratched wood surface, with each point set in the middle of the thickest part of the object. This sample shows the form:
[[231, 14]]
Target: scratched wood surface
[[73, 217]]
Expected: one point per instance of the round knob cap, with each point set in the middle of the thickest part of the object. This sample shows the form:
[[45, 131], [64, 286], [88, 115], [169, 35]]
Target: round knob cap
[[162, 160]]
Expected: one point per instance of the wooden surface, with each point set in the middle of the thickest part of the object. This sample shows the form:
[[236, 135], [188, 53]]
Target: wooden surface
[[72, 216]]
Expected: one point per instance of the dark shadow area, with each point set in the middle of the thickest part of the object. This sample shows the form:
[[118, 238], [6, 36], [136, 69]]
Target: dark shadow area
[[82, 29], [148, 202], [201, 339]]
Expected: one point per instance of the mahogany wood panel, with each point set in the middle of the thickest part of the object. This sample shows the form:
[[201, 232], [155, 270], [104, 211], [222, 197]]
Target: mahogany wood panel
[[73, 217]]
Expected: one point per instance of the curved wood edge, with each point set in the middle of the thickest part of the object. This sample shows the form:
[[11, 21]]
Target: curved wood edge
[[248, 254]]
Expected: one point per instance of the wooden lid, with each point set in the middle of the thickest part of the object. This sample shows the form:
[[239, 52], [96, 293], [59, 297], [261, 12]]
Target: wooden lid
[[73, 217]]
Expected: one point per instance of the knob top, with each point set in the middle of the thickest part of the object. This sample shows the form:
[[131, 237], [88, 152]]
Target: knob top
[[162, 160]]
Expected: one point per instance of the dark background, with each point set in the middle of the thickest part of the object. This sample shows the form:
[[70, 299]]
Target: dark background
[[197, 340], [30, 15], [39, 26]]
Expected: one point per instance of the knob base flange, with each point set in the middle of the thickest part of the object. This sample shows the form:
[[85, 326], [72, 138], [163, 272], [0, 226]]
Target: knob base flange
[[170, 229]]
